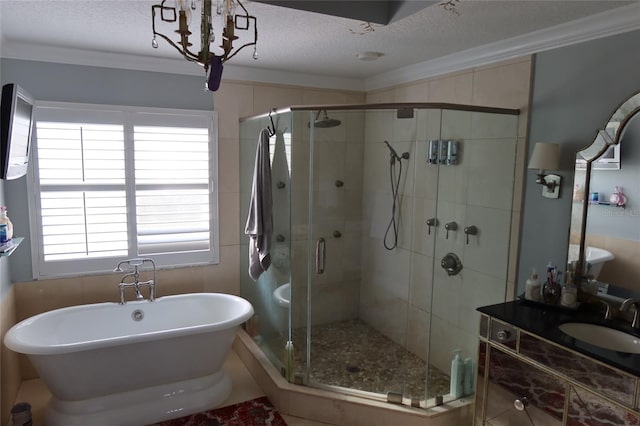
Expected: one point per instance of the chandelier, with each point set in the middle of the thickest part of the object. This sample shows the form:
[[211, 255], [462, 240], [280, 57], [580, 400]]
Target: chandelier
[[233, 19]]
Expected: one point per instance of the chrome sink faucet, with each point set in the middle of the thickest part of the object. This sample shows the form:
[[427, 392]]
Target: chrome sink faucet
[[636, 314], [135, 283]]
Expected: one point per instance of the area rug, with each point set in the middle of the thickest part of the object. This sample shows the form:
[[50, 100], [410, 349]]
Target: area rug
[[256, 412]]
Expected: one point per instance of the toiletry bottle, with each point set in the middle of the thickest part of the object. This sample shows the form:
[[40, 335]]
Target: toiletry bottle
[[551, 289], [469, 377], [3, 233], [569, 295], [5, 219], [457, 375], [289, 361], [532, 287]]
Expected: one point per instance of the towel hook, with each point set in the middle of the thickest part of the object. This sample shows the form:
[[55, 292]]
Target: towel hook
[[271, 129]]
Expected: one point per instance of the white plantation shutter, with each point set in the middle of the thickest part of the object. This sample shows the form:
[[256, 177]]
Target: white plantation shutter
[[172, 189], [82, 190], [113, 183]]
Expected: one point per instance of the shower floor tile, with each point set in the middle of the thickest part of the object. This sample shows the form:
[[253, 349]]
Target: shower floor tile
[[353, 355]]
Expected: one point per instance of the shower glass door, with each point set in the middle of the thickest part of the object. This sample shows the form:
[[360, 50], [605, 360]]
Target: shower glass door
[[474, 212], [360, 241]]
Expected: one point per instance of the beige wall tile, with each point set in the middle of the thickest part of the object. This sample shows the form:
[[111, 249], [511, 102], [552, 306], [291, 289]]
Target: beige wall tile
[[380, 96], [100, 288], [269, 97], [10, 374], [228, 165], [415, 92], [323, 97], [229, 213], [452, 89], [232, 102], [224, 277], [504, 86]]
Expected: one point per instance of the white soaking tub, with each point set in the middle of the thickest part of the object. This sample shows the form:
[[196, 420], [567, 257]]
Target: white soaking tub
[[133, 364]]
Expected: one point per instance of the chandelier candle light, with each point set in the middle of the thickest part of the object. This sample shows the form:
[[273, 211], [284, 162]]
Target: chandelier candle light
[[180, 11]]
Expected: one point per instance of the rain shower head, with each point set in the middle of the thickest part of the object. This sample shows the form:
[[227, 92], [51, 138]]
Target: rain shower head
[[325, 121]]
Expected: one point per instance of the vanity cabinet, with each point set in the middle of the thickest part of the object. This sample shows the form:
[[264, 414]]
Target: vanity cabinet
[[524, 379]]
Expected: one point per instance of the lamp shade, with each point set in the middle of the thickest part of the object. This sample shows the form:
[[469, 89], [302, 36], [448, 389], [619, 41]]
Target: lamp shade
[[546, 156]]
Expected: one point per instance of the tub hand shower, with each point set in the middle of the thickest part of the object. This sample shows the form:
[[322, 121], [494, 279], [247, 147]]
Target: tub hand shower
[[136, 284]]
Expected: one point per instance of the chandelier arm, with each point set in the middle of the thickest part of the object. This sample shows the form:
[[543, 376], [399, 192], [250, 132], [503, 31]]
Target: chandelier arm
[[255, 37], [185, 52], [189, 56]]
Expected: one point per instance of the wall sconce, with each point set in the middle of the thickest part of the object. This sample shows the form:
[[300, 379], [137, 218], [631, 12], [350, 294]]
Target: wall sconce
[[546, 156]]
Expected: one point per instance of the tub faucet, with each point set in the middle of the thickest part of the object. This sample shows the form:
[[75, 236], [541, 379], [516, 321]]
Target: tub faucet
[[135, 282], [636, 314]]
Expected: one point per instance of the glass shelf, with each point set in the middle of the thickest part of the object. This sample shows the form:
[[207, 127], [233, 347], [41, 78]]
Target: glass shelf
[[7, 248]]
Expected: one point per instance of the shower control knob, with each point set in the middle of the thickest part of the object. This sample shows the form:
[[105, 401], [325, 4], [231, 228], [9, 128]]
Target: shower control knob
[[337, 234], [470, 230], [431, 222], [450, 226], [339, 184], [451, 263]]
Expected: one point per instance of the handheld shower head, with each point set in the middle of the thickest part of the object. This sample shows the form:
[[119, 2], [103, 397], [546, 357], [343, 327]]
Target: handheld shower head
[[394, 154]]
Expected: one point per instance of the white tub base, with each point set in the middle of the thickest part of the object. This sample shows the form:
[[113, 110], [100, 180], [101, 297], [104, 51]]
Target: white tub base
[[143, 406]]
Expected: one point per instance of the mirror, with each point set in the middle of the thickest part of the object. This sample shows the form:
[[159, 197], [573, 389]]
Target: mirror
[[605, 217]]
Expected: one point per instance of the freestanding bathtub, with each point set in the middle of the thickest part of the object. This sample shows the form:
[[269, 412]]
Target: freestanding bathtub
[[133, 364]]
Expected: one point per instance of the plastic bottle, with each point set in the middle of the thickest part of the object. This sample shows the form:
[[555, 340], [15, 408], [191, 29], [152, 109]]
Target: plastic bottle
[[469, 377], [532, 287], [5, 219], [3, 233], [289, 361], [456, 387]]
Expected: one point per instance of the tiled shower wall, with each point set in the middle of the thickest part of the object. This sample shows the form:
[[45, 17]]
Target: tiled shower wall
[[478, 191], [453, 323]]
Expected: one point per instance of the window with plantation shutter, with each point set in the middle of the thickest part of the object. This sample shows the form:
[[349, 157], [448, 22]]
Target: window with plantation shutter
[[116, 182]]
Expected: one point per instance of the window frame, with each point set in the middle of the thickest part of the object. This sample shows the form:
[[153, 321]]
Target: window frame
[[127, 116]]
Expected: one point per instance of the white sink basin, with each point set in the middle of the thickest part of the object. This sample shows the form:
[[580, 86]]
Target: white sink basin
[[604, 337], [282, 295]]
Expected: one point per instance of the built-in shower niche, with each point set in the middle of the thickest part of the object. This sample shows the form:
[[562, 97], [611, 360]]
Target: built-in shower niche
[[371, 309]]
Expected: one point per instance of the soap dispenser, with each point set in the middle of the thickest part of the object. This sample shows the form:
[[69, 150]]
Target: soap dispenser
[[532, 288], [457, 375]]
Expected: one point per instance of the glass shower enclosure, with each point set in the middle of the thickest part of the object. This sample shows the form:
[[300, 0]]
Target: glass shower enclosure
[[391, 224]]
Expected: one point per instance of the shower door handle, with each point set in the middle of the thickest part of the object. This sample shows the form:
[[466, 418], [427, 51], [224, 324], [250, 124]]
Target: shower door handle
[[320, 256]]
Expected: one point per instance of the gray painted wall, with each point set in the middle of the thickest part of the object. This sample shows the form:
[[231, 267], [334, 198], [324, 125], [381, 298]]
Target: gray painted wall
[[575, 91], [82, 84]]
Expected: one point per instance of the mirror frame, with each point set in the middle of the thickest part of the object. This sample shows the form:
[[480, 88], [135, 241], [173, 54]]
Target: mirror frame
[[603, 140]]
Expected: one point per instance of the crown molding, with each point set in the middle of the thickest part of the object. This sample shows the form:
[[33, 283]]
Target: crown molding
[[612, 22], [63, 55], [616, 21]]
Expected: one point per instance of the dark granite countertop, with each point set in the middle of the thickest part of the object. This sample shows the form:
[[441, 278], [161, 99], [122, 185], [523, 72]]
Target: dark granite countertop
[[543, 321]]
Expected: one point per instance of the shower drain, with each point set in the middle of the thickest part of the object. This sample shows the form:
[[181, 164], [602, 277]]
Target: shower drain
[[353, 369]]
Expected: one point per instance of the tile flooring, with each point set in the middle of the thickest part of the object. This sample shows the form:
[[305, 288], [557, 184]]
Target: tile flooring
[[244, 388]]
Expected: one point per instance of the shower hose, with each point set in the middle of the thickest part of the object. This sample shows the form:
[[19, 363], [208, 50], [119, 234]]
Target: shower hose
[[392, 228]]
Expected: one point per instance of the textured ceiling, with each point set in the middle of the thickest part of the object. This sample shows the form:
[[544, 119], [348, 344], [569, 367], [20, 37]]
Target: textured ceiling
[[296, 40]]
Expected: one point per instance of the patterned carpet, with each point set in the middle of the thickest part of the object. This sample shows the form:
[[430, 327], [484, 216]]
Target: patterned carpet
[[257, 412]]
